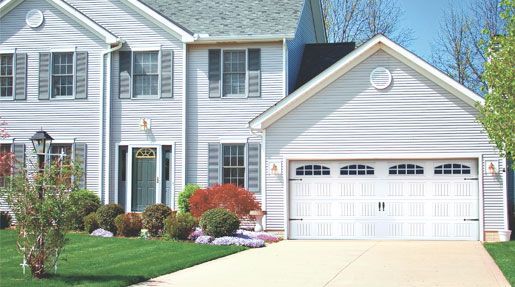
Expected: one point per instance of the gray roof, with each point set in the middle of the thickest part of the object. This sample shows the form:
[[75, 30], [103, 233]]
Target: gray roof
[[232, 17]]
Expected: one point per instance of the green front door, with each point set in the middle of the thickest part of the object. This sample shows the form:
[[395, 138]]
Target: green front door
[[143, 178]]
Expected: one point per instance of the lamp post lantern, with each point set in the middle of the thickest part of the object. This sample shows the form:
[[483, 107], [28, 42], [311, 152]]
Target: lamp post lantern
[[41, 141]]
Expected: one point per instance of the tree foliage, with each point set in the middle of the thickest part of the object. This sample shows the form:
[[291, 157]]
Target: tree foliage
[[359, 20], [498, 113], [38, 201], [6, 158]]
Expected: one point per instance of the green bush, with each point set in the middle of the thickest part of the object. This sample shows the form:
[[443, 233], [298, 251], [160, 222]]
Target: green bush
[[91, 222], [81, 203], [5, 219], [184, 196], [106, 215], [128, 225], [180, 225], [154, 217], [218, 222]]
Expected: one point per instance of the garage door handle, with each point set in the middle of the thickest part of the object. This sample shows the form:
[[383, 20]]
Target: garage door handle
[[296, 219], [471, 219], [295, 179], [471, 178], [383, 205]]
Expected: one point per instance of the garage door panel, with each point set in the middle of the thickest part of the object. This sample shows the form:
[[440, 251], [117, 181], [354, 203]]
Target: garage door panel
[[385, 206]]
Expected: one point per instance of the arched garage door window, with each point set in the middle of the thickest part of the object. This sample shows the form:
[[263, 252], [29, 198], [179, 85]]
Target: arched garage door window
[[406, 168], [452, 168], [313, 169], [357, 169]]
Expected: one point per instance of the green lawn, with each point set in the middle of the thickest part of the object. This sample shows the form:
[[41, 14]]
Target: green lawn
[[91, 261], [504, 255]]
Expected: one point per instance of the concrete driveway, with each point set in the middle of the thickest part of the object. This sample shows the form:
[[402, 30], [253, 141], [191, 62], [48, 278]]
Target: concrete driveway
[[346, 263]]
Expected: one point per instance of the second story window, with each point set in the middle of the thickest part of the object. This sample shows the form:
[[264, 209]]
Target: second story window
[[6, 76], [146, 74], [62, 75], [234, 73]]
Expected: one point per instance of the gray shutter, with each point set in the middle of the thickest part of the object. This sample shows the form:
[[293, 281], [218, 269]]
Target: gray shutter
[[213, 165], [215, 70], [80, 157], [167, 73], [253, 153], [81, 77], [254, 66], [44, 76], [21, 77], [125, 74], [19, 155]]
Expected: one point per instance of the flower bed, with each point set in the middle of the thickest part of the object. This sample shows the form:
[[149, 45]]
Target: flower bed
[[241, 238]]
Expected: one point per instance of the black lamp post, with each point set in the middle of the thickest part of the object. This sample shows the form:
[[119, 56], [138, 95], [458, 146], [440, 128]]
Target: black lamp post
[[41, 141]]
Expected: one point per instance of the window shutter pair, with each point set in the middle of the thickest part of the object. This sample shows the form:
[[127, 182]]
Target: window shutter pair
[[253, 73], [252, 165], [125, 74], [81, 75], [19, 156]]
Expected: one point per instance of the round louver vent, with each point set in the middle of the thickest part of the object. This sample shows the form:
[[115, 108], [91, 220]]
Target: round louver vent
[[34, 18], [380, 78]]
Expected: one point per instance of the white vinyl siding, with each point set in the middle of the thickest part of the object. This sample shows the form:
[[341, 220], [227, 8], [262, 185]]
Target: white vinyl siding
[[210, 119], [412, 116], [61, 119], [6, 76]]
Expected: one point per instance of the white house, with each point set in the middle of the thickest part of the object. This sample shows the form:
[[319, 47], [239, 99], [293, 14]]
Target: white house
[[373, 143]]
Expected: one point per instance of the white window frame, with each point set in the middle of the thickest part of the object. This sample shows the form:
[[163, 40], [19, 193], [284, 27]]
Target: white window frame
[[13, 76], [234, 96], [357, 170], [452, 169], [245, 163], [51, 76], [159, 74]]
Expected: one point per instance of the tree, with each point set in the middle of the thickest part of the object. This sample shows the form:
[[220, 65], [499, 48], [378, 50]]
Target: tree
[[359, 20], [38, 201], [498, 113], [6, 158], [457, 50]]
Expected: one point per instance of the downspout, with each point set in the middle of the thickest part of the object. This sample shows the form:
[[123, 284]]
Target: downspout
[[105, 159], [184, 119]]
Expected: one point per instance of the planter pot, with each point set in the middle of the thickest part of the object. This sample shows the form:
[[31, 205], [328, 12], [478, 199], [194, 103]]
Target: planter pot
[[258, 214], [504, 235]]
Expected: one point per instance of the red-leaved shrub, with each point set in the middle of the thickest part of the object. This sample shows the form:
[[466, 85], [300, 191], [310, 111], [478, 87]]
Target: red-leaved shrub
[[228, 196]]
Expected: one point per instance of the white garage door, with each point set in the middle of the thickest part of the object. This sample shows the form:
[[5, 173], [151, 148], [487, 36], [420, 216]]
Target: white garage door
[[386, 199]]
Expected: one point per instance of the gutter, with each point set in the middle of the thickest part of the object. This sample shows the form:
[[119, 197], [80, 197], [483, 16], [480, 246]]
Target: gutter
[[206, 39], [105, 161]]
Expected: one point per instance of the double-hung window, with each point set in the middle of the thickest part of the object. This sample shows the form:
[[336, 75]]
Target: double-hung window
[[6, 76], [61, 153], [146, 74], [234, 73], [233, 158], [63, 75]]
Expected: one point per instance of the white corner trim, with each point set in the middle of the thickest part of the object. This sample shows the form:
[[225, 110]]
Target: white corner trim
[[160, 20], [351, 60], [69, 10]]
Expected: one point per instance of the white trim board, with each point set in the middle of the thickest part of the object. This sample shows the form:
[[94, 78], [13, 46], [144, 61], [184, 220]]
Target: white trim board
[[378, 42], [7, 5]]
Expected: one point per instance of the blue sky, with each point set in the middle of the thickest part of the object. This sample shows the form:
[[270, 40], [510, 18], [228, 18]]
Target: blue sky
[[423, 17]]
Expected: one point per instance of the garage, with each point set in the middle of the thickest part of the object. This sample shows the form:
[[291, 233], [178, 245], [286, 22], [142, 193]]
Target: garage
[[384, 199]]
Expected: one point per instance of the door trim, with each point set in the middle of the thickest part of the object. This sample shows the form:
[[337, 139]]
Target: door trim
[[383, 156], [128, 184]]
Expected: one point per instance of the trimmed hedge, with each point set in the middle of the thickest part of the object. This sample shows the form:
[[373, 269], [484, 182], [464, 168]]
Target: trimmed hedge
[[184, 196], [91, 222], [180, 225], [81, 203], [128, 224], [154, 217], [106, 215], [218, 222]]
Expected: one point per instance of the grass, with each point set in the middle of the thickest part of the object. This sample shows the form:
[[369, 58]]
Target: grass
[[504, 255], [92, 261]]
